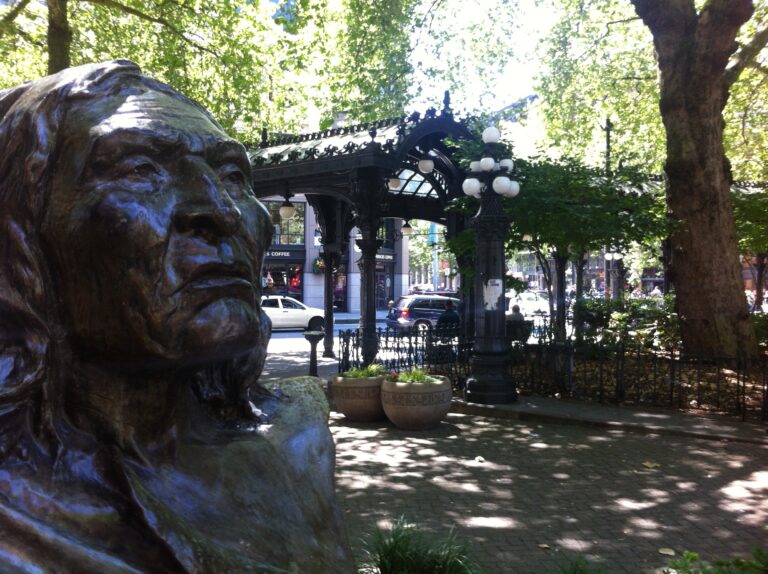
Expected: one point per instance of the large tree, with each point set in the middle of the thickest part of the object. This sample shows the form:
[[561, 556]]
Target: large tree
[[699, 60]]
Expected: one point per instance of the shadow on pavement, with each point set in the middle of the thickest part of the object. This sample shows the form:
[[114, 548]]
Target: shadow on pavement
[[529, 497]]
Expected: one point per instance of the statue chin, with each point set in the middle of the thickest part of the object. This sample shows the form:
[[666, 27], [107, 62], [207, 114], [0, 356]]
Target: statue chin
[[221, 330]]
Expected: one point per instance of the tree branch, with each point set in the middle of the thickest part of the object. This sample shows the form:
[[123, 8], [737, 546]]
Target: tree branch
[[156, 20], [666, 17], [6, 24], [746, 56], [759, 67], [718, 25]]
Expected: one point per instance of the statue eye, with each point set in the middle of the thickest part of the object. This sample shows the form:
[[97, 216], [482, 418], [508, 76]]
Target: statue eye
[[137, 168], [144, 169], [233, 178]]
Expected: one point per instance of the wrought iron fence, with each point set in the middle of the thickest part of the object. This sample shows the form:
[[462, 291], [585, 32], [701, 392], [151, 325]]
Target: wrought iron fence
[[603, 373], [441, 351]]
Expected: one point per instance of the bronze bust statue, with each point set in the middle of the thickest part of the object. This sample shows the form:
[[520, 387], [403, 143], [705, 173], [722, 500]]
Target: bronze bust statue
[[134, 436]]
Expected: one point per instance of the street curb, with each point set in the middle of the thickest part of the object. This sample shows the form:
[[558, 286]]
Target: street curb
[[461, 407]]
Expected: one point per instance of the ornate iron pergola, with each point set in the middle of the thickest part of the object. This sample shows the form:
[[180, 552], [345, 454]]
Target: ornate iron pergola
[[345, 174]]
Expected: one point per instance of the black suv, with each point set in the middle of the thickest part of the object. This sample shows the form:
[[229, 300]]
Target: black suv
[[417, 311]]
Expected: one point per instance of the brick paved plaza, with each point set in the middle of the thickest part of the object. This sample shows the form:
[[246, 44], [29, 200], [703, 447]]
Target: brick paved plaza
[[509, 487]]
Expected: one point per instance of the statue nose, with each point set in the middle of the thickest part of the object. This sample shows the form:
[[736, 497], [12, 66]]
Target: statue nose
[[204, 207]]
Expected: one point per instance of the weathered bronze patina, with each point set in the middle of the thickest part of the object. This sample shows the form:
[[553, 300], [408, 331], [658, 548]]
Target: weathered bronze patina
[[133, 434]]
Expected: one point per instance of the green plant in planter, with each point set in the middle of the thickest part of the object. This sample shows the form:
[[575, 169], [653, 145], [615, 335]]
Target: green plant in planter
[[414, 376], [372, 370], [405, 549]]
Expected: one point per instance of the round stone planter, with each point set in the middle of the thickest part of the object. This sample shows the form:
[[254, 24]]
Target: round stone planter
[[358, 399], [417, 406]]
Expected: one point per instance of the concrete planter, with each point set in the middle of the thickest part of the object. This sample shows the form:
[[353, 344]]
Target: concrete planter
[[417, 406], [358, 399]]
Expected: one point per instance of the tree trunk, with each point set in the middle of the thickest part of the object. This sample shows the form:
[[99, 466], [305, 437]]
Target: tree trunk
[[760, 281], [693, 51], [578, 312], [59, 36], [561, 262]]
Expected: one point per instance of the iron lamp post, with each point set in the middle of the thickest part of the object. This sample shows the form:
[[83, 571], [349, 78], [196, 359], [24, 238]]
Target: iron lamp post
[[490, 381]]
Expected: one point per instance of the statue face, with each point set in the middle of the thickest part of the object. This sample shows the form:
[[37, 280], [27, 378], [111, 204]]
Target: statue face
[[155, 236]]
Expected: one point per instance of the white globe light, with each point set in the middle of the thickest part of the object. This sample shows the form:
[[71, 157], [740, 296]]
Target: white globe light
[[618, 256], [426, 165], [394, 183], [507, 164], [609, 256], [514, 189], [491, 134], [487, 163], [474, 165], [502, 185], [287, 211], [472, 186]]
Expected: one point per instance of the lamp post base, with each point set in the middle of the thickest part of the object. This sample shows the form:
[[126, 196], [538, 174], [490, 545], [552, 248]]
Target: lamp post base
[[491, 381]]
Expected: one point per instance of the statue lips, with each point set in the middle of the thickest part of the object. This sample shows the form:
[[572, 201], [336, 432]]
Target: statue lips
[[224, 279]]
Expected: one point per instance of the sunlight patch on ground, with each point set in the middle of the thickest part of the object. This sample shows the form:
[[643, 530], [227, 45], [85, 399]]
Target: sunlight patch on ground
[[748, 497], [455, 485], [575, 544], [629, 504], [644, 523], [489, 522], [363, 482]]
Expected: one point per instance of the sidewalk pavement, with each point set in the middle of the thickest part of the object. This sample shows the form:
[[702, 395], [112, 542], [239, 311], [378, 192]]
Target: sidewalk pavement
[[532, 485]]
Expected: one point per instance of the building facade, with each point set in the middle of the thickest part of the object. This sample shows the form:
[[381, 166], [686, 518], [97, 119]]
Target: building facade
[[293, 266]]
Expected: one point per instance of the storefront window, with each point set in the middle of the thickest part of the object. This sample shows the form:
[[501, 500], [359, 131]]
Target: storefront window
[[289, 232], [387, 233], [283, 279]]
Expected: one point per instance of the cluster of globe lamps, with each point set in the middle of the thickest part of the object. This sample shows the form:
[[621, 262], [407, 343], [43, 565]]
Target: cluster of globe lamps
[[487, 169]]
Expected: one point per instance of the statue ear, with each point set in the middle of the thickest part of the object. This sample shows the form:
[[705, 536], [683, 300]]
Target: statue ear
[[10, 96]]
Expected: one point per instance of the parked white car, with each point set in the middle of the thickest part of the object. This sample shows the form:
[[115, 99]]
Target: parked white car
[[288, 313], [531, 304]]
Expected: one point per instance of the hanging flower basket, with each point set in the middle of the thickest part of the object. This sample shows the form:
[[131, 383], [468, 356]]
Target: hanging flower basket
[[318, 265]]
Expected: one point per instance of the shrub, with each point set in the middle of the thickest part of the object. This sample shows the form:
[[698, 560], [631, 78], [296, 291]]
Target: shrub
[[647, 322], [404, 549], [691, 564], [760, 323]]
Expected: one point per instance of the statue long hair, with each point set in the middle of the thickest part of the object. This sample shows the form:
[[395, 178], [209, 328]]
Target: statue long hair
[[34, 352]]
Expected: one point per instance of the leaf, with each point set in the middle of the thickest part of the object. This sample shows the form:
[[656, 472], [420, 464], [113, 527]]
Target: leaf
[[666, 551], [651, 465], [543, 546]]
